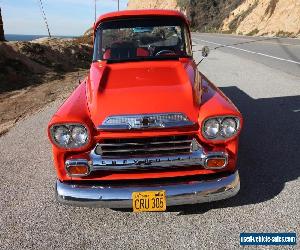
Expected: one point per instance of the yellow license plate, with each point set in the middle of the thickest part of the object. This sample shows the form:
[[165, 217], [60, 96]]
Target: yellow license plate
[[149, 201]]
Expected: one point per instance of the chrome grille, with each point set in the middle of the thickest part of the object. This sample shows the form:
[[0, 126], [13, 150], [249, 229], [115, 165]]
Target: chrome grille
[[149, 146]]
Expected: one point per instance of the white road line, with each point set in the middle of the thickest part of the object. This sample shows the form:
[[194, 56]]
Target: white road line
[[251, 52], [262, 39]]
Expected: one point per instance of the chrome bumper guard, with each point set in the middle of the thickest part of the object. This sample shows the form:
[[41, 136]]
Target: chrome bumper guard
[[179, 193]]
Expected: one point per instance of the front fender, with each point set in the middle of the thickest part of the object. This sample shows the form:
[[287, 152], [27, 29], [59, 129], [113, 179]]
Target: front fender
[[216, 103], [73, 110]]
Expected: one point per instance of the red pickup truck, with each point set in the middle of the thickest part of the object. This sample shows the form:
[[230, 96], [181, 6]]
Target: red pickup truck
[[145, 129]]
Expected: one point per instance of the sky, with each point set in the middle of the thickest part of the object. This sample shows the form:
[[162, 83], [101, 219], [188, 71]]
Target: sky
[[65, 17]]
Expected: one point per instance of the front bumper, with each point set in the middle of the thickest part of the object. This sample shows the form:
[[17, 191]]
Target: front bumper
[[178, 193]]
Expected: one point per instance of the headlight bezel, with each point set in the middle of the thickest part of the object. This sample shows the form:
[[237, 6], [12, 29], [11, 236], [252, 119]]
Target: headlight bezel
[[70, 126], [220, 136]]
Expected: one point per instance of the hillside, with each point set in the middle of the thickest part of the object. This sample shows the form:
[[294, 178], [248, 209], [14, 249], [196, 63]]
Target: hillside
[[247, 17], [265, 17], [23, 63], [152, 4], [37, 72]]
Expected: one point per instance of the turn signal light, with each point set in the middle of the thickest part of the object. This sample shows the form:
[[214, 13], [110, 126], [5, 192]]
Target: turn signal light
[[216, 163], [78, 170]]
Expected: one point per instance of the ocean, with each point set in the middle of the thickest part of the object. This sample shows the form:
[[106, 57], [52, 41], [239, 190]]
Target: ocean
[[16, 37]]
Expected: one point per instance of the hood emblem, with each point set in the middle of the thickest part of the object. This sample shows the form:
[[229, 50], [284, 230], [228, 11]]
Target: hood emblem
[[147, 121]]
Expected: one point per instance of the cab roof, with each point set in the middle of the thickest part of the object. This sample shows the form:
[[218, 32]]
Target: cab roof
[[139, 13]]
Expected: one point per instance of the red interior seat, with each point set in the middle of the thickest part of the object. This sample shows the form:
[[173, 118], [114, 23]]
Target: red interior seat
[[139, 52]]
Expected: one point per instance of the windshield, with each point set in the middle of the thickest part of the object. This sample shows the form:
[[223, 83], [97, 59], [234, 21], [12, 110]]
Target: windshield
[[147, 38]]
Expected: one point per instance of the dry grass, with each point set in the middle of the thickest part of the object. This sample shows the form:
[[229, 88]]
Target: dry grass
[[253, 32], [282, 33]]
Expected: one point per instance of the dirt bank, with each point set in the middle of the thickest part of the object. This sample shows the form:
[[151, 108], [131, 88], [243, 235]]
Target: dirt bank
[[17, 104], [246, 17], [23, 64], [35, 73]]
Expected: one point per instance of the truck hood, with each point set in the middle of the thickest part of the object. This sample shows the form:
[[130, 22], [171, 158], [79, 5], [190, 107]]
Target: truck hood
[[141, 88]]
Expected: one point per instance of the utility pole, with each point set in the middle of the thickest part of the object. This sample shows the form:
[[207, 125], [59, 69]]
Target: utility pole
[[95, 7], [118, 1], [2, 38], [95, 1], [44, 17]]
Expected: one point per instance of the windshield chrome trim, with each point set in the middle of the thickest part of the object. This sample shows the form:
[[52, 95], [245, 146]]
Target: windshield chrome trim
[[153, 20]]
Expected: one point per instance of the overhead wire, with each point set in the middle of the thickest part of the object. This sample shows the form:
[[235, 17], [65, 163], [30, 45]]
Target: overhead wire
[[44, 16]]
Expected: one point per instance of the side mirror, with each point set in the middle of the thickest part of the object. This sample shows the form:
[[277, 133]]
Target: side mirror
[[205, 51]]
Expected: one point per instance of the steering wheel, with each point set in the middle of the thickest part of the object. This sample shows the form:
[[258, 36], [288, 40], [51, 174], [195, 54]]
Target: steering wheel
[[164, 51]]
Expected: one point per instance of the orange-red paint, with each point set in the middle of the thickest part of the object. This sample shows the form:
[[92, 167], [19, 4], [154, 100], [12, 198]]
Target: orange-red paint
[[144, 87]]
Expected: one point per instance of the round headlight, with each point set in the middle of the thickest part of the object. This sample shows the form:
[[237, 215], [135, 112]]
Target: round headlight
[[229, 127], [79, 135], [211, 128], [62, 135], [69, 135]]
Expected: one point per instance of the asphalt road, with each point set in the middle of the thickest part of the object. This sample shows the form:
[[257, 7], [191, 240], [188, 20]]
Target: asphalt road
[[279, 53], [269, 199]]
